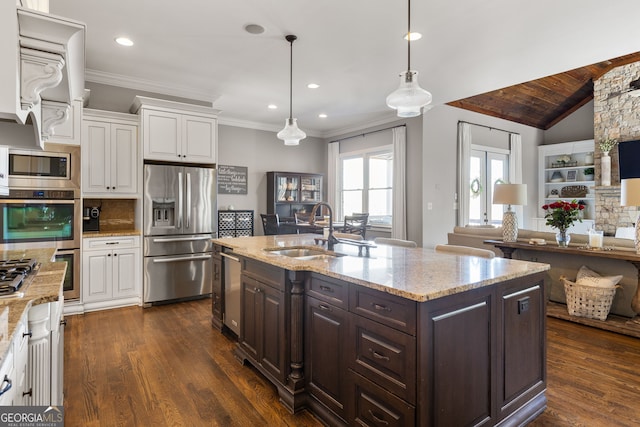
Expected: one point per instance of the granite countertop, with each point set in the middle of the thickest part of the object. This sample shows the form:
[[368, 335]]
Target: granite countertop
[[414, 273], [45, 287], [111, 233]]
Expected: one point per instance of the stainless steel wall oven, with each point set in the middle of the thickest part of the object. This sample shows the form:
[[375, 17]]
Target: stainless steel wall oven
[[44, 218]]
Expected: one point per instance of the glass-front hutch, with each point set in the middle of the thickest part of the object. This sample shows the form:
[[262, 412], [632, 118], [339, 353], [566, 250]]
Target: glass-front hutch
[[289, 193]]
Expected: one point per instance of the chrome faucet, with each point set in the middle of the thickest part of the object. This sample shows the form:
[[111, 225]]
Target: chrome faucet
[[331, 240]]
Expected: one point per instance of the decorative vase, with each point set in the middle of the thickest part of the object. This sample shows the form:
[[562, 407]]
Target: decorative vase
[[563, 238], [605, 169]]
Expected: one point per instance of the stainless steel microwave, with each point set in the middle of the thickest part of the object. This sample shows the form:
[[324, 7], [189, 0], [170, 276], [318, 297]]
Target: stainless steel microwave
[[57, 167]]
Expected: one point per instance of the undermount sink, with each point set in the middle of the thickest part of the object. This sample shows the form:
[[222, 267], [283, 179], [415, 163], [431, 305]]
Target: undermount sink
[[305, 253]]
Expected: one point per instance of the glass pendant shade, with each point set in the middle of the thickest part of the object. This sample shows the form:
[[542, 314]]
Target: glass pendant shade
[[409, 98], [291, 134]]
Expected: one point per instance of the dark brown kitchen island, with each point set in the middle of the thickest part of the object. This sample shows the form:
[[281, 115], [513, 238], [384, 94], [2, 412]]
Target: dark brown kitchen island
[[404, 337]]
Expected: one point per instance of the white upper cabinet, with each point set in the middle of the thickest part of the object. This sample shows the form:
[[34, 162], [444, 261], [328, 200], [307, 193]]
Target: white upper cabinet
[[177, 132], [110, 164]]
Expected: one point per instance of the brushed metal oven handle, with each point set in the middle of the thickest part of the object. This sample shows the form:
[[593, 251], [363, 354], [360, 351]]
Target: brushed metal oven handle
[[188, 200], [185, 258], [179, 224], [180, 239]]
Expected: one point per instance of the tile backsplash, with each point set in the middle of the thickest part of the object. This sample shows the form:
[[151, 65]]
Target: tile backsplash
[[115, 214]]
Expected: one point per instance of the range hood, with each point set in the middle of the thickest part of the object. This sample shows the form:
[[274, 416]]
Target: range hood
[[41, 70]]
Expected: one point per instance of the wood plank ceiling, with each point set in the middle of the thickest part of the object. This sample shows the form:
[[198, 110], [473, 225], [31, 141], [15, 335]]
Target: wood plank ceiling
[[543, 102]]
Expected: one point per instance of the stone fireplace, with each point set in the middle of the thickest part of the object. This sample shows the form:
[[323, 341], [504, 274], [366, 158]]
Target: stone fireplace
[[616, 116]]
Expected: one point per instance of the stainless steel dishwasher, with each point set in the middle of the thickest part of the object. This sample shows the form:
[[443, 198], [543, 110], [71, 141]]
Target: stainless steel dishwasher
[[231, 290]]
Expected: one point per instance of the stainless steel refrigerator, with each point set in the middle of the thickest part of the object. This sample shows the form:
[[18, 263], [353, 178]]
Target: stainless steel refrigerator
[[179, 222]]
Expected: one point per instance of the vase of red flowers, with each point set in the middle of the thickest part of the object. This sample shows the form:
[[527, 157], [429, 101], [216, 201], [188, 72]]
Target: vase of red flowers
[[561, 215]]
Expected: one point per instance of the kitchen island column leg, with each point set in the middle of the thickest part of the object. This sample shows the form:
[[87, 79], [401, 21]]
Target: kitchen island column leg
[[297, 328]]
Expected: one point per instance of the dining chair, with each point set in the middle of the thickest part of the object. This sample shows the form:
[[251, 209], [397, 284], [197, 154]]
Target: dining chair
[[395, 242], [465, 250], [270, 224], [356, 224]]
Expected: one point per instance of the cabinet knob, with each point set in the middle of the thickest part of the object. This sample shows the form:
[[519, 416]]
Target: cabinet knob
[[115, 254], [108, 254], [107, 188]]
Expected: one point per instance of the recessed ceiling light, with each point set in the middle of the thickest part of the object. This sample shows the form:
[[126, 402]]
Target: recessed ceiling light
[[272, 107], [124, 41], [414, 36], [322, 115], [254, 29], [313, 86]]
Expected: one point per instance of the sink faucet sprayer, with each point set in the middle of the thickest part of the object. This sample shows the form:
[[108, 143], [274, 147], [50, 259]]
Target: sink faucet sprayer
[[331, 240]]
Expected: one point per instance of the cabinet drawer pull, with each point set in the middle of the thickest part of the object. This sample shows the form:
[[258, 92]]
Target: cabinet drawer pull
[[7, 387], [378, 419], [27, 334], [112, 243], [380, 307], [28, 393], [326, 288], [378, 356], [324, 307]]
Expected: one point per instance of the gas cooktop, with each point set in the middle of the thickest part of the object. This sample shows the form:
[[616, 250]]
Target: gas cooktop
[[13, 273]]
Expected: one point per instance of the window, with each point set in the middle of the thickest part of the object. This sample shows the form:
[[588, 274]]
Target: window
[[366, 185], [487, 166]]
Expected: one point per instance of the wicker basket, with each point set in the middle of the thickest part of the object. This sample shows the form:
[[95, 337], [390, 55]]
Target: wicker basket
[[588, 301]]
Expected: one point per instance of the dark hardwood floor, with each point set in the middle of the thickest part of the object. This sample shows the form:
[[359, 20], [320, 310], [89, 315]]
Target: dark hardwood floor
[[166, 366]]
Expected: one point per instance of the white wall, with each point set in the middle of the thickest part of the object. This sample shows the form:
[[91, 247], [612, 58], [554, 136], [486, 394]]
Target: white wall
[[260, 151], [440, 127], [578, 126]]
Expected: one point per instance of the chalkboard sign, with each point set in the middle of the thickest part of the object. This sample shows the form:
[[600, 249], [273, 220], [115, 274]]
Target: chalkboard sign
[[232, 179]]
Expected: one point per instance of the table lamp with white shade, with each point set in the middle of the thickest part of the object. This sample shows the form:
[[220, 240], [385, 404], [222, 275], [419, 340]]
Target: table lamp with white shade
[[510, 194], [630, 196]]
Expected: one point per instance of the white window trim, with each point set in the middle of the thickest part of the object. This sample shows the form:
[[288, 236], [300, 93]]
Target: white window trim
[[358, 153]]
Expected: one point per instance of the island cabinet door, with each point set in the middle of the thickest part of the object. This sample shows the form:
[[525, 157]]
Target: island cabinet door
[[262, 329], [272, 331], [522, 373], [251, 322], [456, 360], [325, 362]]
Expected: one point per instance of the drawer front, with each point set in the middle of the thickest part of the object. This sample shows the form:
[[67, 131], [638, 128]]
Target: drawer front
[[399, 313], [266, 273], [383, 355], [335, 292], [375, 407], [111, 243]]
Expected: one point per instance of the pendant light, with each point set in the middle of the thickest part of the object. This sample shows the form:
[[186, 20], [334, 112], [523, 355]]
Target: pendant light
[[291, 134], [409, 98]]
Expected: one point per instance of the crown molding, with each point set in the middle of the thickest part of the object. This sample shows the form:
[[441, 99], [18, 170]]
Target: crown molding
[[147, 85], [231, 121], [390, 118]]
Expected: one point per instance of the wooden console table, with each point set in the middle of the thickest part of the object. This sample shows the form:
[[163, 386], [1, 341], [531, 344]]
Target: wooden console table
[[508, 248]]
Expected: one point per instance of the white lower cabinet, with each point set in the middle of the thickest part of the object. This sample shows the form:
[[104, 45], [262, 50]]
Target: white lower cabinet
[[7, 379], [111, 272], [32, 371]]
